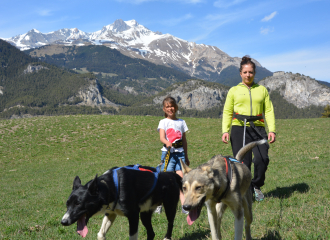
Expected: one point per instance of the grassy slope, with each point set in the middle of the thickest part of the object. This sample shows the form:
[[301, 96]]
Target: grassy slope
[[39, 158]]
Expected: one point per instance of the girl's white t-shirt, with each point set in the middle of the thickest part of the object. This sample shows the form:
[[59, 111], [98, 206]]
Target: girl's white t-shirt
[[174, 130]]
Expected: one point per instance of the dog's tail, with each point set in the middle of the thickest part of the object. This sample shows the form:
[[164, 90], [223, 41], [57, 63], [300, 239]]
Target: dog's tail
[[244, 150]]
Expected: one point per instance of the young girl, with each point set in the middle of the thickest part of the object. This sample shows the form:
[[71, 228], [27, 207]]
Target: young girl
[[172, 134]]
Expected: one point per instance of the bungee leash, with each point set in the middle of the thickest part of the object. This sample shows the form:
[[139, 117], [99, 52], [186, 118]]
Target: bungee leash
[[167, 158], [177, 144]]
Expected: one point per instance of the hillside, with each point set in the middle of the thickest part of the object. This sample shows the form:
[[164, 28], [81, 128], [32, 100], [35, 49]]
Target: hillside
[[32, 87], [137, 76], [198, 98]]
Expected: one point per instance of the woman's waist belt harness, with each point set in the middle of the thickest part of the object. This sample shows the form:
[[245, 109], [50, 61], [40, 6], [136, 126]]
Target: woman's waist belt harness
[[251, 120]]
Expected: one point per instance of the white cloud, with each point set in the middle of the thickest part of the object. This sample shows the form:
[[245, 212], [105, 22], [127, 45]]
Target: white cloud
[[269, 17], [176, 21], [227, 3], [212, 22], [44, 12], [310, 62], [265, 31]]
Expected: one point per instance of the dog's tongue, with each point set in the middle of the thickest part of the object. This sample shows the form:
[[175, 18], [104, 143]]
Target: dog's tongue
[[81, 227], [193, 215]]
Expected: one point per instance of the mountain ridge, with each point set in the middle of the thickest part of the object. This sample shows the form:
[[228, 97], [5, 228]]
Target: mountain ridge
[[31, 87], [134, 40]]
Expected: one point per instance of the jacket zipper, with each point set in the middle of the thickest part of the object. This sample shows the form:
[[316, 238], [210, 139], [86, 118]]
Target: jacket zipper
[[249, 89], [250, 101]]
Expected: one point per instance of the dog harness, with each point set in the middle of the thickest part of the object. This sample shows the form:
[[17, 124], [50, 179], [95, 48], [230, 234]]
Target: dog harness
[[136, 167], [229, 175]]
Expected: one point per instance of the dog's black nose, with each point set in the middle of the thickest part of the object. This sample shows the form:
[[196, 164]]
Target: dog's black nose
[[186, 207], [65, 222]]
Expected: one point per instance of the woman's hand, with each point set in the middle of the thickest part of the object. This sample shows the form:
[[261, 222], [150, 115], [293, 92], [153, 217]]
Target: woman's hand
[[271, 137], [225, 137]]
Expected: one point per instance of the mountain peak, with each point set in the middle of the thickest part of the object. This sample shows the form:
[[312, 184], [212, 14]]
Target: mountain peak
[[33, 30], [119, 26], [132, 23]]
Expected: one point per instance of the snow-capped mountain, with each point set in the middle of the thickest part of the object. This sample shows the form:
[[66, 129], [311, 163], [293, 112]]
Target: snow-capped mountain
[[134, 40], [35, 39]]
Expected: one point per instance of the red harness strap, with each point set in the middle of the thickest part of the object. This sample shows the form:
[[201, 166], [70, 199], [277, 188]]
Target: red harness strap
[[226, 167], [145, 170]]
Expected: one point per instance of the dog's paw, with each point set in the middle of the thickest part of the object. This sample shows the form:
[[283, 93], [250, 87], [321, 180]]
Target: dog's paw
[[100, 237]]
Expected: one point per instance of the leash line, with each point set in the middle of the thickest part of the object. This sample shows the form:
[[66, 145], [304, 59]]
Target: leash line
[[167, 158]]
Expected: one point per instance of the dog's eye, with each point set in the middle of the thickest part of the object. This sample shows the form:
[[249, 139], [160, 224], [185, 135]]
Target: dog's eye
[[184, 189], [198, 188]]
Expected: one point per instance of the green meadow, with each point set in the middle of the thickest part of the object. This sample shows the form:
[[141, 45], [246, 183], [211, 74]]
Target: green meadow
[[40, 157]]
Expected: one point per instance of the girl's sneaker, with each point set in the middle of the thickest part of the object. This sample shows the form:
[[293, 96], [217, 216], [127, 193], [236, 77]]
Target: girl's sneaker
[[259, 196]]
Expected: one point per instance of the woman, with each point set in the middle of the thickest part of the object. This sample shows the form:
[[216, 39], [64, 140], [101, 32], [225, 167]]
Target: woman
[[245, 104]]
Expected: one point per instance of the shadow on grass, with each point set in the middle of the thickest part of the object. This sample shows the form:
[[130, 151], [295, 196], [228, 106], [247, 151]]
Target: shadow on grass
[[286, 192], [272, 235], [196, 235]]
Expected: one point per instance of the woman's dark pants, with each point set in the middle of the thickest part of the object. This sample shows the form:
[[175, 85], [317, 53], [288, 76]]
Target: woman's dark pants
[[260, 152]]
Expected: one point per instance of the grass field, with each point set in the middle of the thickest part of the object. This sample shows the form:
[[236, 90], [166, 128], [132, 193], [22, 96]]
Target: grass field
[[39, 158]]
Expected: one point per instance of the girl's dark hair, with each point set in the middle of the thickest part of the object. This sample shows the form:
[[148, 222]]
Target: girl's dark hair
[[171, 101], [247, 60]]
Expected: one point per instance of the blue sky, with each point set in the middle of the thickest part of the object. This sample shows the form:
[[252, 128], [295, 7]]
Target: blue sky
[[283, 35]]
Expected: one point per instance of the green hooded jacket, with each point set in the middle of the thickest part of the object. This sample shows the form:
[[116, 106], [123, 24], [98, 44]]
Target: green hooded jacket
[[252, 101]]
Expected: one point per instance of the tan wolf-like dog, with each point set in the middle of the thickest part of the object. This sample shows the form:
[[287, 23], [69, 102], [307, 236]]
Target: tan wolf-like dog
[[209, 183]]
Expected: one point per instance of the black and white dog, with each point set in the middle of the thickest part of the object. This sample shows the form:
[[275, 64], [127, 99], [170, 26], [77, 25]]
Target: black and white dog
[[127, 191]]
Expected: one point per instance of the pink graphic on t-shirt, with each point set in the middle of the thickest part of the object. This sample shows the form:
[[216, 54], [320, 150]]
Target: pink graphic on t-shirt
[[173, 135]]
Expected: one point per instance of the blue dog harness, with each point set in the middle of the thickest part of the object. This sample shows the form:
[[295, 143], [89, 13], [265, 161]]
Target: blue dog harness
[[136, 168]]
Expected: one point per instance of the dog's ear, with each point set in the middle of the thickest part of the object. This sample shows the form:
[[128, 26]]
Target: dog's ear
[[93, 188], [185, 168], [76, 183], [207, 169]]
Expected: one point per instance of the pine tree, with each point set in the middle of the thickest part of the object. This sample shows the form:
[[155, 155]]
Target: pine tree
[[326, 113]]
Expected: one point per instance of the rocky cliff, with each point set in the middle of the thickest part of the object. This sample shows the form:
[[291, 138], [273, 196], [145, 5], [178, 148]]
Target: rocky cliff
[[33, 68], [300, 90], [91, 96], [196, 94]]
